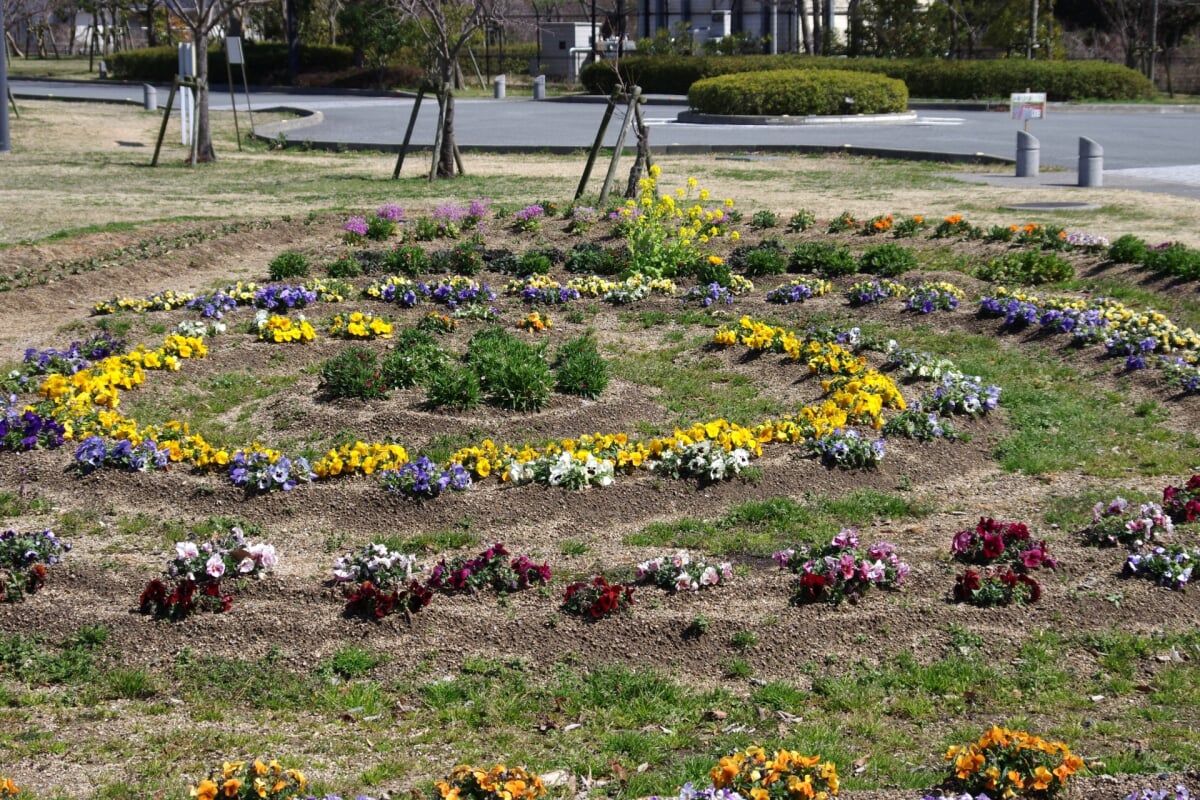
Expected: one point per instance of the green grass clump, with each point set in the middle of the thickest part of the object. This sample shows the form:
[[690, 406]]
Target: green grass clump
[[579, 368], [1028, 268]]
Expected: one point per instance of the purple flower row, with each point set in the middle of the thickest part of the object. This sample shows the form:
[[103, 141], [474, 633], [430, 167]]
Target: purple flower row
[[256, 472], [94, 453]]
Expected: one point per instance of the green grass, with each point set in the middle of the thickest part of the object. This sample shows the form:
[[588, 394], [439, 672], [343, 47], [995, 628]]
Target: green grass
[[490, 706], [761, 528], [208, 404], [23, 501], [694, 389], [1059, 420]]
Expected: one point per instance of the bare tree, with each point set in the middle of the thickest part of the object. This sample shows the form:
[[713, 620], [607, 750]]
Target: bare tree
[[201, 17], [447, 26]]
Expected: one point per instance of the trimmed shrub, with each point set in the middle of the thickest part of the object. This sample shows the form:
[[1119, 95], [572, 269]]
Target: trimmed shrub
[[830, 260], [267, 61], [958, 80], [799, 93], [288, 265], [887, 260]]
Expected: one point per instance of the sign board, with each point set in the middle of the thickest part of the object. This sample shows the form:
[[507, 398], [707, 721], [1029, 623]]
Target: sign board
[[1028, 105], [233, 49], [187, 61]]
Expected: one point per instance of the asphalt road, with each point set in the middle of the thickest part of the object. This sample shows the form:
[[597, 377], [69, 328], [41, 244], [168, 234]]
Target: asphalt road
[[1159, 144]]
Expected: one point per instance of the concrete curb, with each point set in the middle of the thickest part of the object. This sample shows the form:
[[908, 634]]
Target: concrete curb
[[695, 117]]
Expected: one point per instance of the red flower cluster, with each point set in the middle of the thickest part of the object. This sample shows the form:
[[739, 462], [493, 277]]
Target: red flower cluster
[[993, 541], [996, 586], [812, 586], [597, 598], [368, 600], [183, 599], [1183, 502]]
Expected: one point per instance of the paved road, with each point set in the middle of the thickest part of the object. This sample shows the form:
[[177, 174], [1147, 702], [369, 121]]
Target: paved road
[[1142, 145]]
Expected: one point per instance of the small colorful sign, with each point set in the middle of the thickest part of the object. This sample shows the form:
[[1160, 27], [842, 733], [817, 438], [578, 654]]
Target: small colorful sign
[[1028, 105]]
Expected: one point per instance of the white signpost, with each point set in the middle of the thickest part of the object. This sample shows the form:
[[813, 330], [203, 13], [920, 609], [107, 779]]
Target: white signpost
[[187, 69]]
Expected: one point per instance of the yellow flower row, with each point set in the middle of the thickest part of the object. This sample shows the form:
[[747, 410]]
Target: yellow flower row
[[360, 457], [1119, 317], [283, 329], [360, 326]]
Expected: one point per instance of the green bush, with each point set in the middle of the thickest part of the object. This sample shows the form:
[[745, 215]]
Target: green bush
[[580, 369], [406, 259], [712, 270], [344, 266], [764, 219], [266, 62], [288, 265], [887, 260], [801, 221], [466, 258], [534, 263], [1029, 268], [1128, 249], [512, 373], [416, 356], [1177, 260], [830, 260], [766, 258], [799, 93], [452, 386], [354, 372], [954, 80], [590, 258]]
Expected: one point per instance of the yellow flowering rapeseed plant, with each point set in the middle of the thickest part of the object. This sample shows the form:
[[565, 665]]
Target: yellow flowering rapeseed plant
[[358, 325], [498, 783], [787, 775], [663, 231], [1007, 763]]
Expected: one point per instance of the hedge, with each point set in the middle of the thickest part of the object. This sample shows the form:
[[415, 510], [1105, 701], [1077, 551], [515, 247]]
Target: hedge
[[266, 62], [950, 80], [798, 92]]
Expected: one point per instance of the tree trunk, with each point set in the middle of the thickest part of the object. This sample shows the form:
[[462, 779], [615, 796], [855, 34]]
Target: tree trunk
[[204, 146], [446, 167], [805, 30], [292, 25], [151, 28]]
